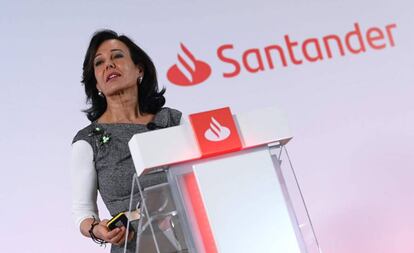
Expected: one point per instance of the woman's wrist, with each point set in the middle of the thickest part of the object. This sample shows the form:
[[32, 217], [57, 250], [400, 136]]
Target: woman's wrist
[[92, 234]]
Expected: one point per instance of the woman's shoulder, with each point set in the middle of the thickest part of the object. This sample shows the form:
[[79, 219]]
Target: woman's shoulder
[[168, 117], [173, 113], [84, 134]]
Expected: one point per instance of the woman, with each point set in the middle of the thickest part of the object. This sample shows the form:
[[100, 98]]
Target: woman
[[121, 85]]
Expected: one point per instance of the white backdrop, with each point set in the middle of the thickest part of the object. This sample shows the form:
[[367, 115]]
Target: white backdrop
[[352, 116]]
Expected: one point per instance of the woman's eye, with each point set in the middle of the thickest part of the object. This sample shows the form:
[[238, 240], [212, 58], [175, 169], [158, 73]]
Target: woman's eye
[[97, 63], [119, 55]]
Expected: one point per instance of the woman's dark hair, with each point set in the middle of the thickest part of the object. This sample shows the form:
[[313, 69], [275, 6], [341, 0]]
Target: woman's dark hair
[[150, 99]]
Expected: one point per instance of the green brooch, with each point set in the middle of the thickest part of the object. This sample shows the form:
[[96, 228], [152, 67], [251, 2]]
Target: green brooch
[[104, 137]]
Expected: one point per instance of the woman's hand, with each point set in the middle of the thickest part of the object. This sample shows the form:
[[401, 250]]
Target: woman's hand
[[115, 236]]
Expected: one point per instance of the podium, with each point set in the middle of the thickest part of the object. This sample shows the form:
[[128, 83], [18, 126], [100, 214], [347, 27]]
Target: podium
[[244, 197]]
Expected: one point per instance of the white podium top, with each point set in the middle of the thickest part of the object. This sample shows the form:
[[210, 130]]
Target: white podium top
[[178, 144]]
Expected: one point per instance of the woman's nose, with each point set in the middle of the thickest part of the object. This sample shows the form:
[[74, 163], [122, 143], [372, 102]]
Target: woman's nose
[[110, 65]]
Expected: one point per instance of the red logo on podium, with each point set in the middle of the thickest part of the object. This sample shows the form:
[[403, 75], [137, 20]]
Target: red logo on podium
[[215, 131]]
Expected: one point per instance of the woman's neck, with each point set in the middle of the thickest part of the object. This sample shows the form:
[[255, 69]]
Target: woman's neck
[[123, 108]]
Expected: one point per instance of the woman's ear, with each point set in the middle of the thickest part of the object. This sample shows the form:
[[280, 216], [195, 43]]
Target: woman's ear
[[140, 69]]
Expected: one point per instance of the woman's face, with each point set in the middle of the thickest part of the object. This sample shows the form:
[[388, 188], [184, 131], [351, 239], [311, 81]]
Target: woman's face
[[114, 69]]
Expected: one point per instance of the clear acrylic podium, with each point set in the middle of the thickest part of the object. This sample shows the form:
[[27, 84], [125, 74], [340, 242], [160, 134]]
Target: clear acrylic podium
[[243, 201]]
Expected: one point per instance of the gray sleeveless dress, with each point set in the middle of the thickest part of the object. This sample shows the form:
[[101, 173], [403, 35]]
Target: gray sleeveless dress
[[113, 161]]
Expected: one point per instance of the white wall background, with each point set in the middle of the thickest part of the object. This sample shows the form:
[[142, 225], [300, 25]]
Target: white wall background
[[352, 116]]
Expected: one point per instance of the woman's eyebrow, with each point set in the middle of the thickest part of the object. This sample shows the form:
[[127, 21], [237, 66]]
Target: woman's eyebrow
[[96, 56], [112, 50], [116, 49]]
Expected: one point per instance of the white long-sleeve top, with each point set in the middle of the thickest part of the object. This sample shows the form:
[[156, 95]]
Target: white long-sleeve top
[[84, 182]]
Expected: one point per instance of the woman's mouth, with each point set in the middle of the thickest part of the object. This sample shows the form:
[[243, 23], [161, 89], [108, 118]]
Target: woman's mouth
[[112, 76]]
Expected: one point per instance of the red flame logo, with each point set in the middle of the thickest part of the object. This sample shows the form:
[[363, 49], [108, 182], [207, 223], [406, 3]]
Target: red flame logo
[[188, 71], [216, 132]]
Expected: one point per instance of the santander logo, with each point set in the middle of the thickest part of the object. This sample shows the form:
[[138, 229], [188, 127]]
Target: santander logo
[[189, 70], [216, 132], [285, 52]]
